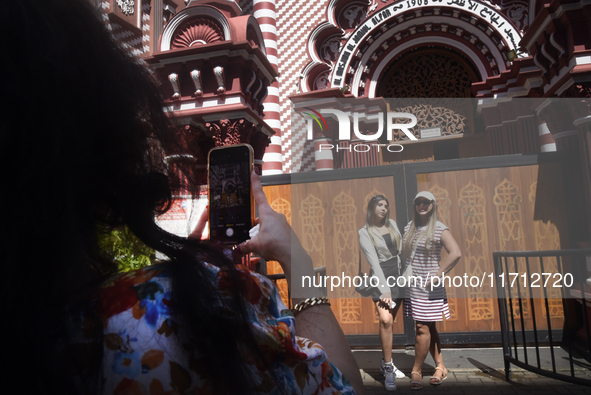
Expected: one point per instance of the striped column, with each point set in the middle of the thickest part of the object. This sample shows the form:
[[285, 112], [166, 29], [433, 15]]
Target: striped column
[[323, 154], [547, 143], [264, 12]]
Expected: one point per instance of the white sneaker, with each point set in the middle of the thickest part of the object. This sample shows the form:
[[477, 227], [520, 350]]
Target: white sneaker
[[390, 377], [397, 372]]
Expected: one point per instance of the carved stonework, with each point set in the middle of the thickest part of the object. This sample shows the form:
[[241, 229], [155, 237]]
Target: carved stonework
[[428, 74], [196, 76], [197, 31], [518, 12], [329, 51], [322, 82], [126, 6], [352, 15], [429, 116], [219, 77], [174, 82], [228, 132]]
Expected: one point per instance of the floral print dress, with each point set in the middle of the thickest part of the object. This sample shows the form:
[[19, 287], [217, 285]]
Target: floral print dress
[[141, 354]]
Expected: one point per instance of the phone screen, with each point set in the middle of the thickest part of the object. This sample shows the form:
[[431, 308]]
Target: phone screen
[[230, 196]]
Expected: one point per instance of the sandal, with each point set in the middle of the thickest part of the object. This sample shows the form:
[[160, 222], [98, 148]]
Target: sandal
[[435, 380], [415, 384]]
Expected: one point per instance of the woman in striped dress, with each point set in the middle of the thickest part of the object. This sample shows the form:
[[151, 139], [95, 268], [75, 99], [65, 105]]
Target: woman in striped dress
[[423, 239]]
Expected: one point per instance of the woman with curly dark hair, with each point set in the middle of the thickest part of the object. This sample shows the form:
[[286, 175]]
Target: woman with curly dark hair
[[83, 134]]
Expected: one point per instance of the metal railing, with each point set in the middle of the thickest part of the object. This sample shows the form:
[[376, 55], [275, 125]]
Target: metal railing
[[551, 290]]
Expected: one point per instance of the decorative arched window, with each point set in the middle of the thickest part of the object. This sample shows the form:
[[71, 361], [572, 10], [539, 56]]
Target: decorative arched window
[[433, 72]]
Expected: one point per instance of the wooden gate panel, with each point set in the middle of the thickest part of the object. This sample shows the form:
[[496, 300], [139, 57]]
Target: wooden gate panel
[[495, 209], [518, 207]]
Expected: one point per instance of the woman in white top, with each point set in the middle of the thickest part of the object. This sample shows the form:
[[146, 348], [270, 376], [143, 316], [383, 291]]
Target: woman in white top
[[424, 237], [379, 240]]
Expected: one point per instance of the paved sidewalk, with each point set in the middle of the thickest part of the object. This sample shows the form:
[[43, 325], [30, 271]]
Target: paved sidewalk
[[472, 371]]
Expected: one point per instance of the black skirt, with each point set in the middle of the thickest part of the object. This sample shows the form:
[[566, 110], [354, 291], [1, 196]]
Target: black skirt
[[390, 269]]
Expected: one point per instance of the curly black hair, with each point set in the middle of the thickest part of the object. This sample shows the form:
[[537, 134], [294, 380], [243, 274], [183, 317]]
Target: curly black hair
[[83, 136]]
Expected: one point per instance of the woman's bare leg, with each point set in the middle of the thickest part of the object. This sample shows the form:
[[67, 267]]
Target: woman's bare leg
[[385, 330], [422, 344], [386, 317], [435, 350]]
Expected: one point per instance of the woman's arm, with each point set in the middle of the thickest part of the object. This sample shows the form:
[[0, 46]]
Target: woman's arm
[[369, 250], [453, 253], [277, 241]]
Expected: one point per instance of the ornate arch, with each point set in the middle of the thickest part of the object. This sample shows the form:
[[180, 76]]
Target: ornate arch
[[474, 28], [209, 23], [475, 20], [476, 59], [196, 31]]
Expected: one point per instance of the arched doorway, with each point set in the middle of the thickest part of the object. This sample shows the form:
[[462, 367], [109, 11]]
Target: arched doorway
[[428, 73]]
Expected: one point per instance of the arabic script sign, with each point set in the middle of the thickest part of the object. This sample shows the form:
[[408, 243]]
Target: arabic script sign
[[495, 18]]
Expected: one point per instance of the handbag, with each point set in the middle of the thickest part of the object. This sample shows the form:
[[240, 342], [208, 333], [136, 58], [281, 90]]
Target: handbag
[[365, 289]]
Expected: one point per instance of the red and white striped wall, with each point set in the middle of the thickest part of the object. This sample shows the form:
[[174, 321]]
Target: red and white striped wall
[[295, 21], [264, 12]]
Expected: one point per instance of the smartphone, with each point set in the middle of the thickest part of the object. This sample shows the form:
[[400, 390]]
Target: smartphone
[[231, 205]]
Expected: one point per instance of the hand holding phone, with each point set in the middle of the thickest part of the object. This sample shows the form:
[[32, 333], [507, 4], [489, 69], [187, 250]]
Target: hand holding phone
[[231, 204]]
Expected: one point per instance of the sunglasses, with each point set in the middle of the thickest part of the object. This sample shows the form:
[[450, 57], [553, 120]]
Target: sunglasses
[[419, 202]]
